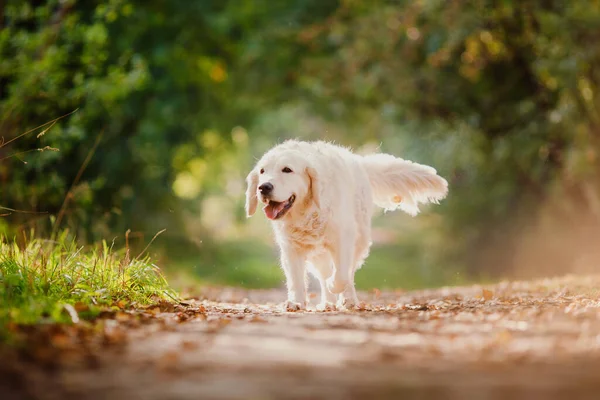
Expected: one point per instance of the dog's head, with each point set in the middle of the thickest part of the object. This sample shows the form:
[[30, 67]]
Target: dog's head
[[281, 180]]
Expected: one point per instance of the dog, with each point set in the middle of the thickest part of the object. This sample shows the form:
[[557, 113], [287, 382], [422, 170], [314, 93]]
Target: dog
[[320, 198]]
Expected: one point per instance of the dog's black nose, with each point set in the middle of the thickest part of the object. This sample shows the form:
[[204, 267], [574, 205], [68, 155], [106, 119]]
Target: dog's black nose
[[265, 188]]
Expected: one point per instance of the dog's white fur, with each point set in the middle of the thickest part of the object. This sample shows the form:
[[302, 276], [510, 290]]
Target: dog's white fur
[[328, 227]]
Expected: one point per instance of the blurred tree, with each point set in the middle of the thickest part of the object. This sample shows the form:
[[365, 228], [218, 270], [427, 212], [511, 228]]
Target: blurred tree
[[152, 78], [145, 77], [501, 96]]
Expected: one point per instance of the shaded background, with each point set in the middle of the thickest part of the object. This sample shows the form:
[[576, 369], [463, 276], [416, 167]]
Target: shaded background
[[175, 100]]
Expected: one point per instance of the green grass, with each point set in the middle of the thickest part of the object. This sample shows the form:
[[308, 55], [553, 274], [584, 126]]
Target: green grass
[[60, 281]]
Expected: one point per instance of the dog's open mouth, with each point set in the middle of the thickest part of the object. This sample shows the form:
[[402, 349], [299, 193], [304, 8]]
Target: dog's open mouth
[[277, 209]]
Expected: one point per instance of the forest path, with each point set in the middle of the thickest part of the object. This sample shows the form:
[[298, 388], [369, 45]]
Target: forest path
[[516, 340]]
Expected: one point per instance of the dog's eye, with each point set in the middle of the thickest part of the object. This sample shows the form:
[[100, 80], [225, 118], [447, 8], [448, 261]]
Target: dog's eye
[[262, 170], [286, 170]]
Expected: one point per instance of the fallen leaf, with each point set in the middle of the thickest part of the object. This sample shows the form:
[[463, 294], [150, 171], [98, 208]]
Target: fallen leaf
[[181, 317], [154, 310], [79, 307], [166, 306], [487, 294], [123, 316]]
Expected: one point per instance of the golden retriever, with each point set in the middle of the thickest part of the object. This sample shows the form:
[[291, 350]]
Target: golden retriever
[[319, 198]]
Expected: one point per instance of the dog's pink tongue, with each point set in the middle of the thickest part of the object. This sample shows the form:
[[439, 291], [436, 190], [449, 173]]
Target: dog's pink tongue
[[272, 209]]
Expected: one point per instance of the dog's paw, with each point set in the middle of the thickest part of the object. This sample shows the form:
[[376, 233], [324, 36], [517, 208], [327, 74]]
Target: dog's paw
[[326, 306], [336, 286], [291, 306]]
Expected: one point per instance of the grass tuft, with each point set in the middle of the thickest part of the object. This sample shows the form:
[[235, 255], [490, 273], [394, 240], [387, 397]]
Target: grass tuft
[[60, 281]]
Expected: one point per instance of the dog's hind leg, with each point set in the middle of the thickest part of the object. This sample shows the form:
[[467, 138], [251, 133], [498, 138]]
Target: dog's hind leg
[[343, 257], [349, 298]]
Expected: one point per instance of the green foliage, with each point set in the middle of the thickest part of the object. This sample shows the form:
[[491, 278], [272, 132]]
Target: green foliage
[[138, 79], [501, 97], [44, 280]]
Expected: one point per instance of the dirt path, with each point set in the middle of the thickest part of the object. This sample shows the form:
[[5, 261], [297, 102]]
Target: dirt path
[[518, 341]]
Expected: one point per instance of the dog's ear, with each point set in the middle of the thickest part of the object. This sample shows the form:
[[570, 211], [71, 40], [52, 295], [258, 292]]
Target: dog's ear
[[315, 185], [251, 199]]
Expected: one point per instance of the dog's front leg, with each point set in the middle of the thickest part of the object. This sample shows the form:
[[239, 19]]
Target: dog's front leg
[[342, 253], [294, 267]]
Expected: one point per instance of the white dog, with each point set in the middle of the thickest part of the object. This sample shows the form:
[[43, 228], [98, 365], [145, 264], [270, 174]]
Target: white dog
[[320, 199]]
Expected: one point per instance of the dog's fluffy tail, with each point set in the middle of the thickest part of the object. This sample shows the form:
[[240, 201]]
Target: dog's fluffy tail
[[402, 184]]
